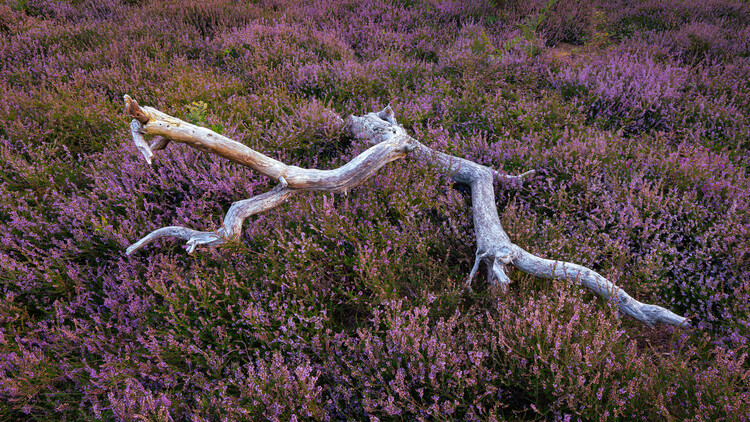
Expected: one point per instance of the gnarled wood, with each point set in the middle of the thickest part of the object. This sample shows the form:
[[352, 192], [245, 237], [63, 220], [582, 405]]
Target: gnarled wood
[[389, 142], [232, 227]]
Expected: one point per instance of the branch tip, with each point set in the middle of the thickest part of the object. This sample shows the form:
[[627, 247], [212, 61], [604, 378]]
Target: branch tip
[[158, 143], [140, 143], [388, 115], [519, 177], [134, 110]]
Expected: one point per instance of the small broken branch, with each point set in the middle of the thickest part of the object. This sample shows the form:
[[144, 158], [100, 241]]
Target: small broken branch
[[232, 227], [389, 141], [519, 177]]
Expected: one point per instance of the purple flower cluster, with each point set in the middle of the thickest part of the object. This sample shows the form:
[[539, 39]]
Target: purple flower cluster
[[351, 306]]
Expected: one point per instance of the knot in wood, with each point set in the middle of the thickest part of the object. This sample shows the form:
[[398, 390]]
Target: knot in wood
[[503, 255]]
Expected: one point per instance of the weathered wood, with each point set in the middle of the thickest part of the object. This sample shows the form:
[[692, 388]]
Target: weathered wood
[[389, 142], [345, 177], [232, 227]]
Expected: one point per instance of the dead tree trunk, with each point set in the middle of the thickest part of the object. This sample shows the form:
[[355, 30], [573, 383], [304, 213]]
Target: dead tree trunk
[[389, 142]]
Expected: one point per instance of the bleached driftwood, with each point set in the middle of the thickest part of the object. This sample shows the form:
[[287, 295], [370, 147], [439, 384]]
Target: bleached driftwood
[[389, 142]]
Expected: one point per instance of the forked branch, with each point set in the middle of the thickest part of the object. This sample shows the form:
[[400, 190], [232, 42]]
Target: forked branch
[[389, 142]]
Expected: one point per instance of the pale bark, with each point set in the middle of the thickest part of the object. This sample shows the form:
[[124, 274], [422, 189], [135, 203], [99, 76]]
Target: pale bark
[[389, 142]]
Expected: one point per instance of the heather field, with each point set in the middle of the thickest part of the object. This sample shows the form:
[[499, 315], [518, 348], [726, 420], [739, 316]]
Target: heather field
[[634, 114]]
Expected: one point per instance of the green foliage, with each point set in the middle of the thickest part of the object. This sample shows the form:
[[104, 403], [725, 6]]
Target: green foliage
[[529, 34], [196, 114], [18, 5]]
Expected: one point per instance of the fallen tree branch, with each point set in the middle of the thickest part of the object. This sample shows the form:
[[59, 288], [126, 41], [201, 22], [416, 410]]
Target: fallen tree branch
[[389, 141], [232, 227]]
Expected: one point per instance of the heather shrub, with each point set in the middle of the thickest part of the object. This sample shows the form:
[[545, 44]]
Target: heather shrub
[[632, 91], [351, 306], [648, 17], [540, 366], [638, 91], [697, 41], [726, 82], [567, 21], [73, 11], [205, 19], [307, 136], [473, 55], [278, 46], [634, 221], [631, 18], [58, 116], [10, 18], [412, 368]]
